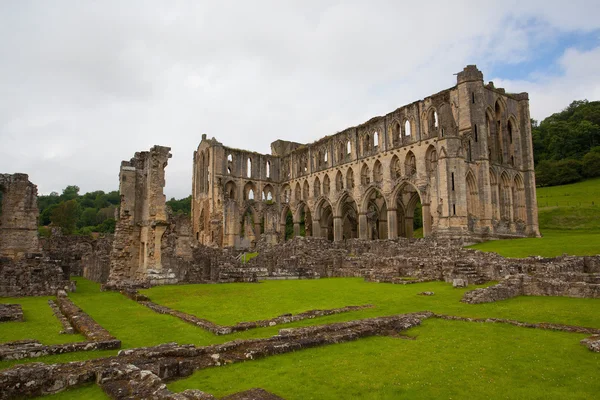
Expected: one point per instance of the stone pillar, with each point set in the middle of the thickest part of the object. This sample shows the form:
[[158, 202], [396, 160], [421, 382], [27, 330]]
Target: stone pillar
[[296, 229], [338, 229], [316, 228], [408, 224], [363, 226], [257, 230], [426, 219], [392, 223]]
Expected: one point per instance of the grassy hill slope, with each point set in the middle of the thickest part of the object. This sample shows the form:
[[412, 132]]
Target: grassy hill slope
[[569, 217]]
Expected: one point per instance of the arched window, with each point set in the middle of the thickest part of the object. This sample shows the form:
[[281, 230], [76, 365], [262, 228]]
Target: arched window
[[229, 158], [339, 181], [365, 178], [249, 168], [377, 172], [325, 156], [395, 168], [317, 187], [305, 191], [407, 130], [375, 139], [348, 148], [396, 132], [366, 144], [251, 194], [410, 164], [326, 185], [350, 179], [268, 169], [510, 131]]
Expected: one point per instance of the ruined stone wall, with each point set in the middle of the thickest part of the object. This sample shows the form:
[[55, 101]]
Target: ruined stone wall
[[18, 216], [464, 153], [142, 217], [34, 275]]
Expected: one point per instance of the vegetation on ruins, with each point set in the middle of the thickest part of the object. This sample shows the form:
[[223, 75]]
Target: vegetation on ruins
[[566, 145], [489, 360]]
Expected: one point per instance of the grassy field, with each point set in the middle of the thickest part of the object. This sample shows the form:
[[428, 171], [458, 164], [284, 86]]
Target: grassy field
[[569, 218], [487, 359]]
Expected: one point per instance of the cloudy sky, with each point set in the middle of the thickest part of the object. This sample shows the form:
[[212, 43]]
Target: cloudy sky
[[86, 84]]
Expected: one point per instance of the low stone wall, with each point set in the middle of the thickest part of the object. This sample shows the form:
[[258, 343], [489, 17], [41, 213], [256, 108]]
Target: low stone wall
[[34, 275], [67, 327], [140, 373], [244, 326], [98, 337], [542, 284], [11, 312], [592, 343]]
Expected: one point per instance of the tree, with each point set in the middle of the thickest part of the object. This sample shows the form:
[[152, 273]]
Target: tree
[[591, 163], [70, 192], [65, 216]]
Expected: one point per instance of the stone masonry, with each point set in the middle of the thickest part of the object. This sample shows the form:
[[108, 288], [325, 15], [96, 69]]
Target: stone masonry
[[465, 154], [18, 216]]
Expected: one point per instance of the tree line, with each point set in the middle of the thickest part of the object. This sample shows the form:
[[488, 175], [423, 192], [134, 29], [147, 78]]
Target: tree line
[[566, 145]]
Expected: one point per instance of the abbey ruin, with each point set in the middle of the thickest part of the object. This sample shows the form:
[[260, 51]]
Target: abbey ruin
[[465, 154]]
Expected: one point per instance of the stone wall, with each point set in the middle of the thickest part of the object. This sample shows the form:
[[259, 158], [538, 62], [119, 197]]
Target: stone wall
[[35, 275], [18, 216]]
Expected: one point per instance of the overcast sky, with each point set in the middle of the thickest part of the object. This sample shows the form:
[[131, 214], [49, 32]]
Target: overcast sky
[[86, 84]]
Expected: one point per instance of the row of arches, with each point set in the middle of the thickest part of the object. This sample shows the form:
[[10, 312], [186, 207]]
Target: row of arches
[[249, 163]]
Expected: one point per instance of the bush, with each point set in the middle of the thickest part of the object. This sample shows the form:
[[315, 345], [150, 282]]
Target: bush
[[591, 163], [44, 231], [552, 173]]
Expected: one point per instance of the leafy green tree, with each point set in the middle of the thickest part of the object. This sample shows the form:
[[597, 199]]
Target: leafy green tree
[[70, 193], [88, 218], [182, 206], [65, 216], [591, 163]]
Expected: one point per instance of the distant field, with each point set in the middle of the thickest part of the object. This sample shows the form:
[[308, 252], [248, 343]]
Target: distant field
[[569, 218]]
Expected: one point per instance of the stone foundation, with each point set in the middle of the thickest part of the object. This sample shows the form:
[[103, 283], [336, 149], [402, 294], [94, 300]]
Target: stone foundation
[[34, 275], [11, 312]]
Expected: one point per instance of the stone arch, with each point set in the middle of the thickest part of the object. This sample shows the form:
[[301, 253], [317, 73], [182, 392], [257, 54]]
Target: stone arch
[[365, 175], [231, 190], [317, 187], [472, 196], [432, 119], [495, 194], [407, 198], [305, 191], [396, 130], [249, 191], [395, 168], [324, 216], [377, 172], [248, 222], [268, 193], [505, 197], [303, 219], [347, 210], [519, 199], [366, 144], [350, 179], [339, 181], [375, 208], [286, 222], [410, 164], [286, 193], [431, 159], [326, 185]]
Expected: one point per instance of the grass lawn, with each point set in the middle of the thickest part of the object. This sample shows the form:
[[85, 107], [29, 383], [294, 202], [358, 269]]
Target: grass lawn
[[449, 358], [569, 218]]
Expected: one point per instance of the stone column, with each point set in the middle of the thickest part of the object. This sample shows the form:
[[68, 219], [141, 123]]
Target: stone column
[[257, 230], [338, 229], [316, 228], [296, 229], [426, 220], [392, 223], [363, 226], [408, 224]]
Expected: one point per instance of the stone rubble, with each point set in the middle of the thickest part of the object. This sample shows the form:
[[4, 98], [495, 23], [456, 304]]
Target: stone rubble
[[11, 312]]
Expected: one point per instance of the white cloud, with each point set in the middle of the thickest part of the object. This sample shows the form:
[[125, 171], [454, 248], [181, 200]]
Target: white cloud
[[86, 85]]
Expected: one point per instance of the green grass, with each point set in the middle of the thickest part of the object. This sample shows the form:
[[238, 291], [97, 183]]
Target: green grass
[[444, 352], [248, 256], [569, 220], [553, 243]]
